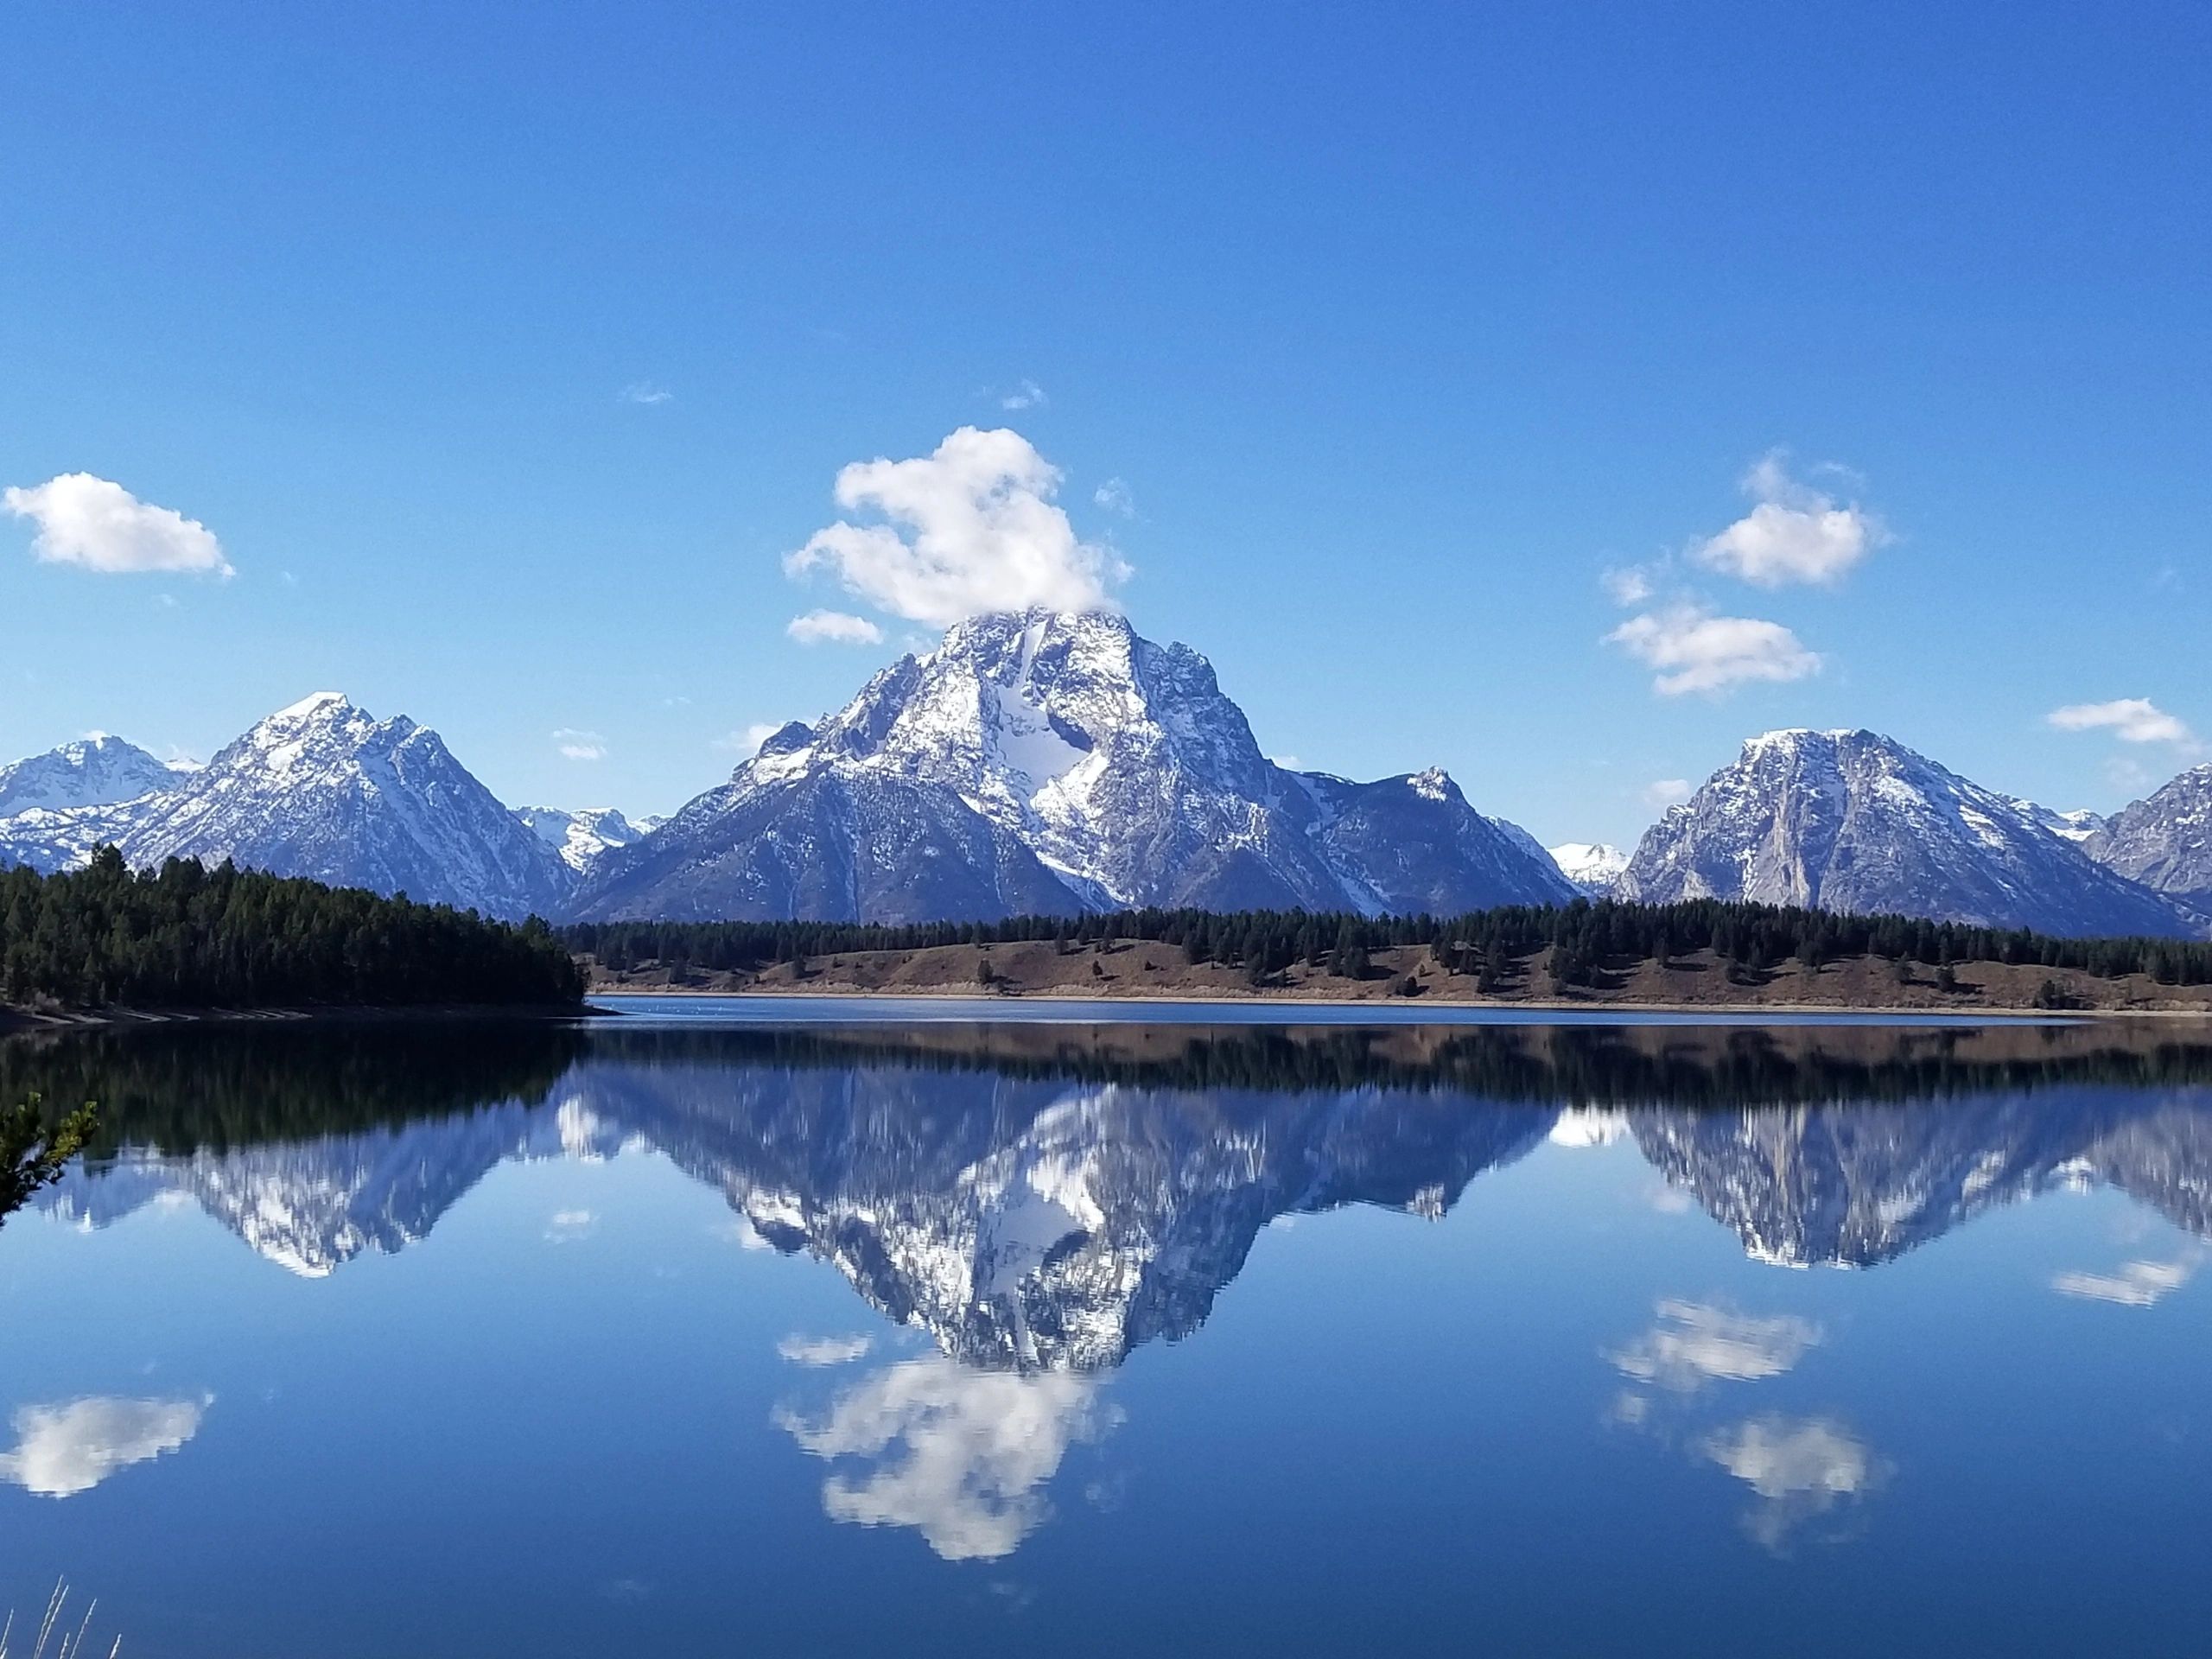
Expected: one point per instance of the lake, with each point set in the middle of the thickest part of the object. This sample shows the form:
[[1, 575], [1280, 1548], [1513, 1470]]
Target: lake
[[732, 1328]]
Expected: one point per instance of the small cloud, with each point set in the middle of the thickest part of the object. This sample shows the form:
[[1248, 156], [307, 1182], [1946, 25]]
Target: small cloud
[[1629, 585], [644, 392], [1114, 495], [833, 627], [2125, 772], [2139, 1284], [748, 740], [574, 745], [1662, 792], [1696, 651], [824, 1350], [1795, 533], [1027, 395], [167, 601], [972, 527], [1288, 762], [2132, 720], [88, 521], [1693, 1343]]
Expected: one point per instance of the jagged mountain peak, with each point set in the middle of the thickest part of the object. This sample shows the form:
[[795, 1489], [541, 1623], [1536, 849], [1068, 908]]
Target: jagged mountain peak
[[97, 770], [325, 790], [1063, 760], [1855, 821], [2164, 841]]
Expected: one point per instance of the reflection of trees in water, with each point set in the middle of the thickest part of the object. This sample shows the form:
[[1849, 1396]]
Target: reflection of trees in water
[[35, 1146]]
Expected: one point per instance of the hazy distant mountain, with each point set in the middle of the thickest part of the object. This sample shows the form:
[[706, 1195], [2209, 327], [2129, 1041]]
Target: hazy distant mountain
[[584, 834], [93, 772], [2164, 842], [1050, 762], [1852, 821], [1592, 866], [324, 789]]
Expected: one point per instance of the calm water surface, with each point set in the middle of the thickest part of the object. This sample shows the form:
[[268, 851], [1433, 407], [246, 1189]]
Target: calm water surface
[[691, 1334]]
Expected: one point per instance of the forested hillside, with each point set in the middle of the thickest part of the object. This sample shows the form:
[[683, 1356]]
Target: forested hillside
[[185, 936], [1582, 940]]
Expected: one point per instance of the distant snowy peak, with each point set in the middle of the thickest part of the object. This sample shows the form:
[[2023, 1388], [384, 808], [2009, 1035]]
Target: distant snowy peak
[[1114, 766], [1594, 867], [323, 789], [2164, 841], [1855, 822], [584, 834], [93, 772], [2077, 826]]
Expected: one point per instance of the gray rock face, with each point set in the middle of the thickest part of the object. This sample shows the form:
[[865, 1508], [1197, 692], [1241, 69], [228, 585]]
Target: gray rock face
[[1049, 761], [324, 789], [2164, 842], [1854, 821]]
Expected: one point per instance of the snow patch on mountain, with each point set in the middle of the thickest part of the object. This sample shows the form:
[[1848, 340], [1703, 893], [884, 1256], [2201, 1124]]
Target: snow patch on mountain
[[582, 836], [1592, 866]]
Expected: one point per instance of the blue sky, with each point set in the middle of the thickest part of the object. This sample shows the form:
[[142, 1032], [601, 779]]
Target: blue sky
[[506, 354]]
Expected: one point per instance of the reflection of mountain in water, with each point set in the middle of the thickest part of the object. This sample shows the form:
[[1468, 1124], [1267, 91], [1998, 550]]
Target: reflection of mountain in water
[[1042, 1204]]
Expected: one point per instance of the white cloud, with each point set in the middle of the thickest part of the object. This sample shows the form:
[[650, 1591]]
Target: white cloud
[[62, 1450], [1027, 395], [567, 1225], [959, 1455], [1629, 584], [88, 521], [574, 745], [2138, 1284], [834, 627], [2132, 720], [644, 392], [1794, 533], [749, 739], [1800, 1468], [1696, 651], [824, 1350], [1115, 496], [1663, 793], [1693, 1343], [972, 528]]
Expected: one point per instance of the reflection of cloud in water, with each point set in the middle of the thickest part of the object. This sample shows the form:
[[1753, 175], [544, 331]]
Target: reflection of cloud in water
[[1800, 1468], [62, 1450], [824, 1350], [960, 1455], [2138, 1284], [569, 1224], [1694, 1342]]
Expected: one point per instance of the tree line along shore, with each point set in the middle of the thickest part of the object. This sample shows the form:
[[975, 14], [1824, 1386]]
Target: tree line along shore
[[184, 937], [1699, 953]]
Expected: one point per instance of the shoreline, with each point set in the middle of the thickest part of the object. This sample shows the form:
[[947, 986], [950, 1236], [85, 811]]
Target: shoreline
[[19, 1021], [1402, 1009]]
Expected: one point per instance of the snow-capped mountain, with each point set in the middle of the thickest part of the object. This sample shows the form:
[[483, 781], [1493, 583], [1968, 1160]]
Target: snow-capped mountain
[[2164, 842], [1852, 821], [92, 771], [2077, 826], [583, 835], [1594, 867], [325, 790], [1053, 761]]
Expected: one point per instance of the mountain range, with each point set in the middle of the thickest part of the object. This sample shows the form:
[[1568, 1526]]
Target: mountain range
[[1059, 762]]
